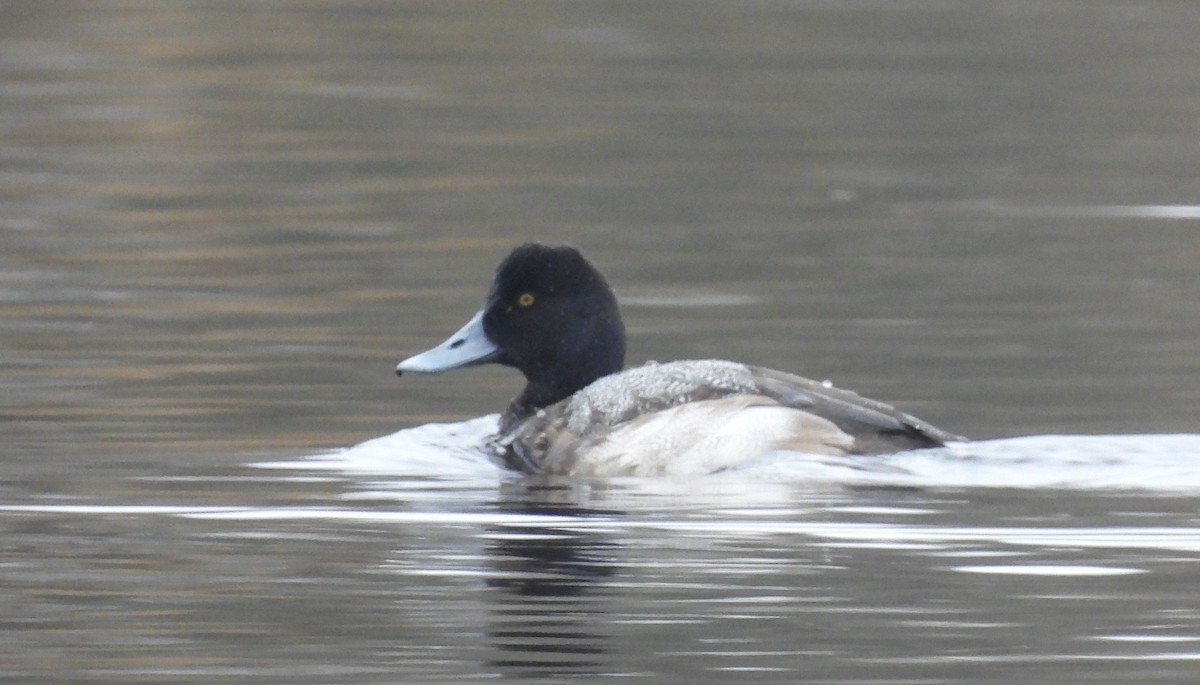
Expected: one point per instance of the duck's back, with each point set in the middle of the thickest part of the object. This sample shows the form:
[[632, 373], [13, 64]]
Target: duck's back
[[694, 417]]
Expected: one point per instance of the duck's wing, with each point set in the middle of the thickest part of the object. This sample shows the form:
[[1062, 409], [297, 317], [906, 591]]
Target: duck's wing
[[877, 428], [825, 419]]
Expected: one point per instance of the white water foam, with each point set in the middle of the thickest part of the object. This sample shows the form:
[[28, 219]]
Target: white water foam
[[455, 451], [1163, 463]]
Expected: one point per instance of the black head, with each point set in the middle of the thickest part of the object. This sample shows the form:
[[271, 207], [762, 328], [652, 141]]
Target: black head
[[554, 316], [551, 315]]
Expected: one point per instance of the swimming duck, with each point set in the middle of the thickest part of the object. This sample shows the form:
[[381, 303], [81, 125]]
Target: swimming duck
[[551, 315]]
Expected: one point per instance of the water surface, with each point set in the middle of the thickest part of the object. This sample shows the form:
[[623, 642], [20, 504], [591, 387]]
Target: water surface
[[222, 225]]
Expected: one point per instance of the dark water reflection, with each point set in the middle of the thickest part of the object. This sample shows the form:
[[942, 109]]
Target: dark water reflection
[[222, 224], [867, 586], [547, 619]]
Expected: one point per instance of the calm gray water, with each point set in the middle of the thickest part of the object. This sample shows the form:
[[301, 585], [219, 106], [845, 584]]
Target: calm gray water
[[221, 225]]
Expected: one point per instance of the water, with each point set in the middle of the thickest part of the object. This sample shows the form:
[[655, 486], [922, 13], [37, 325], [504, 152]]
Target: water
[[222, 225]]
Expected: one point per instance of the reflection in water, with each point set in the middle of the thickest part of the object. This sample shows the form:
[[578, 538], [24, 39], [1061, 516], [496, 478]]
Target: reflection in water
[[548, 610], [874, 586]]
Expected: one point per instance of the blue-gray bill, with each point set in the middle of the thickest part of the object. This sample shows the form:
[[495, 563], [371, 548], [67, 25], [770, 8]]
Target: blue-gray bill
[[467, 347]]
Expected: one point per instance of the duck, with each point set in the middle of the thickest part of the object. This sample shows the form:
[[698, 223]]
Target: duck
[[551, 315]]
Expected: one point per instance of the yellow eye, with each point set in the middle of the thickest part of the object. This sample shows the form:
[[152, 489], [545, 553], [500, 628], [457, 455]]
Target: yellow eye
[[526, 299]]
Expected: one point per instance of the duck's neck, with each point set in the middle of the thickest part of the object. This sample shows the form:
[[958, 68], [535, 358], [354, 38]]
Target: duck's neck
[[568, 366], [531, 399], [539, 395]]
